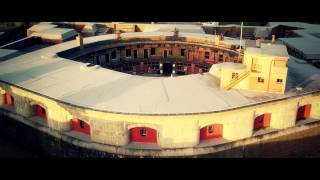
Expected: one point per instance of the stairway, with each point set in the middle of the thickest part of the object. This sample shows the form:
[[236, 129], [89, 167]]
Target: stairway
[[233, 82]]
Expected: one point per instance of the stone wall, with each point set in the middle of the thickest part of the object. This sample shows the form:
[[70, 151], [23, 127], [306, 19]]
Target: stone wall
[[296, 142], [173, 131]]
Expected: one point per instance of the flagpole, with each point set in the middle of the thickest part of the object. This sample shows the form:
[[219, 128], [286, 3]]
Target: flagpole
[[241, 35]]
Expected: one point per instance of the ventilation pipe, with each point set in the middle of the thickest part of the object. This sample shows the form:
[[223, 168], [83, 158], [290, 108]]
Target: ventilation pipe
[[79, 40]]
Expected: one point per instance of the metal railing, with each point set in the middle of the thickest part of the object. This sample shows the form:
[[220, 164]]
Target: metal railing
[[235, 81]]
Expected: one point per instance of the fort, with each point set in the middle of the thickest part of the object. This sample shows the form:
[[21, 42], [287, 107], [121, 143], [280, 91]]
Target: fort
[[162, 93]]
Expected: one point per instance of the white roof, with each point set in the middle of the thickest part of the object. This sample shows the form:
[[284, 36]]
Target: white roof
[[56, 33], [8, 53], [107, 90], [269, 49], [230, 65], [187, 28], [42, 27]]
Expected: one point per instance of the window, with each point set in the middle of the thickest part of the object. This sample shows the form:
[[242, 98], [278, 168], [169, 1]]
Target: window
[[128, 52], [40, 111], [207, 55], [114, 55], [98, 60], [153, 51], [183, 52], [279, 81], [235, 75], [145, 54], [220, 58], [165, 53], [170, 52], [107, 58], [210, 129], [143, 132], [262, 121], [135, 53], [81, 124], [43, 110], [260, 80]]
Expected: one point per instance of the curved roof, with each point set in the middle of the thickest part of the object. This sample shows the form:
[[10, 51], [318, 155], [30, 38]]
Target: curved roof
[[102, 89]]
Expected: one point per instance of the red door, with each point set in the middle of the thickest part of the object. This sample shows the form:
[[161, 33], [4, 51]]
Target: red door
[[143, 134], [40, 111], [9, 100], [211, 132], [262, 121], [304, 112], [80, 126], [307, 111]]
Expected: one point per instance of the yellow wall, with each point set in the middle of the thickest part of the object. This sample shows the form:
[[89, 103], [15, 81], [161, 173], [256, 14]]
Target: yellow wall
[[180, 131], [267, 69]]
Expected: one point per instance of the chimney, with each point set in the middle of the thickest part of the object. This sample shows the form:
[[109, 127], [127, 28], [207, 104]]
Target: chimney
[[273, 39], [79, 40]]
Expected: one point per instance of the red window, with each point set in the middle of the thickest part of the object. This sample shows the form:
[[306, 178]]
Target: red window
[[211, 132], [262, 121], [9, 100], [80, 126], [143, 134], [304, 112], [40, 111]]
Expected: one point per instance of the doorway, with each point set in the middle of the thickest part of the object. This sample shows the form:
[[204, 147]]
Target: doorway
[[167, 69]]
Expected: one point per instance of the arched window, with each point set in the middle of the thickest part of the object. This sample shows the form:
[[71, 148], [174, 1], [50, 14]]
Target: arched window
[[40, 111], [9, 100], [211, 132], [80, 126], [262, 121], [143, 134], [304, 112]]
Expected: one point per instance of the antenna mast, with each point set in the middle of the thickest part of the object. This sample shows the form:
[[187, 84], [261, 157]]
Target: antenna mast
[[241, 35]]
